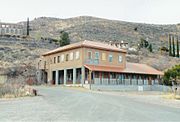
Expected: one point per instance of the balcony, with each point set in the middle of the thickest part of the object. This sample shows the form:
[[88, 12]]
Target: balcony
[[92, 61]]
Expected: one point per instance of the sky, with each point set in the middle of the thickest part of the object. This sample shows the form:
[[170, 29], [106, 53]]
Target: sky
[[141, 11]]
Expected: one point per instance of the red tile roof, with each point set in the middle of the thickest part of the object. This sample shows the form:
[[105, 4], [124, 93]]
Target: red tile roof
[[141, 69], [90, 44], [134, 68]]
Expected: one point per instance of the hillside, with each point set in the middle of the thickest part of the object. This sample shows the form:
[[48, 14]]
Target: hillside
[[91, 28], [20, 57]]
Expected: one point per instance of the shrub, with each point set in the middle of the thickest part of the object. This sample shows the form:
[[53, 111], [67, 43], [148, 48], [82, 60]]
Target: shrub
[[172, 74], [13, 90]]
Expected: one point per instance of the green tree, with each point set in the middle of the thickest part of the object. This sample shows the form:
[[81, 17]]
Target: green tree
[[144, 43], [173, 73], [177, 47], [64, 38], [173, 47], [170, 49]]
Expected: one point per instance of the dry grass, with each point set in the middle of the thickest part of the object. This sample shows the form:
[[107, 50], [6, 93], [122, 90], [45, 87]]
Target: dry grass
[[14, 90], [171, 96]]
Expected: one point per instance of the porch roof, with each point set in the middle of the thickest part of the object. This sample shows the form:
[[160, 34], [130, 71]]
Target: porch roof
[[104, 68], [134, 68]]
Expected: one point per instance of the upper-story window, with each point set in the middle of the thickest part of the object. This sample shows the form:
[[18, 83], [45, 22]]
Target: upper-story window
[[103, 56], [67, 57], [62, 57], [77, 55], [71, 56], [97, 55], [120, 59], [54, 59], [58, 60], [89, 55], [110, 58]]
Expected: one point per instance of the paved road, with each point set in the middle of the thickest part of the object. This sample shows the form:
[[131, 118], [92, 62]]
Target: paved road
[[64, 104]]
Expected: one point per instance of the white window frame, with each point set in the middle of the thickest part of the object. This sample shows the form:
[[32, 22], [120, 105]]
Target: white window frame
[[71, 56], [110, 55], [77, 55], [62, 58], [120, 61]]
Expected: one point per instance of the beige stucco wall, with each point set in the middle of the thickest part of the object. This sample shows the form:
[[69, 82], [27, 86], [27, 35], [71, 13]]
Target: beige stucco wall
[[77, 63], [115, 61]]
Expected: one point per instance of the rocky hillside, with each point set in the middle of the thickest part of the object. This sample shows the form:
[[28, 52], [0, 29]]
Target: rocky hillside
[[19, 58], [15, 53], [91, 28]]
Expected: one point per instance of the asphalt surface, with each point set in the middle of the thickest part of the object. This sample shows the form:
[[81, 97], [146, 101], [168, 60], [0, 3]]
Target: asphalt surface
[[66, 104]]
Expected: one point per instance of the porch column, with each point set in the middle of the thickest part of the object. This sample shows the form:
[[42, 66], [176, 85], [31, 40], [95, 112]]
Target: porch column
[[130, 79], [57, 77], [65, 76], [90, 79], [82, 75], [100, 73], [74, 75], [149, 81], [109, 80]]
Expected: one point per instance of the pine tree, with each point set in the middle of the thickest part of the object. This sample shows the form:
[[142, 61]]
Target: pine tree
[[173, 47], [64, 38], [27, 26], [150, 48], [177, 47], [170, 50]]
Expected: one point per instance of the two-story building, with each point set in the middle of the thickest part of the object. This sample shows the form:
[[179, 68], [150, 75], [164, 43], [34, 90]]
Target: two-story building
[[90, 62]]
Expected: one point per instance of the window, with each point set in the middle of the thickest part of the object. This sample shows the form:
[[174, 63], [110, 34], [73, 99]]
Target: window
[[97, 55], [120, 58], [89, 55], [62, 57], [103, 56], [7, 30], [54, 59], [67, 57], [77, 55], [59, 59], [16, 31], [110, 58], [44, 64], [71, 56]]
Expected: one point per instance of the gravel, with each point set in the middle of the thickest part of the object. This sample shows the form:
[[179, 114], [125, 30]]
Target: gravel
[[67, 104]]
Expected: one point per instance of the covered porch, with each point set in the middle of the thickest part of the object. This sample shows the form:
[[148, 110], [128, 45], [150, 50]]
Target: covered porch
[[68, 76], [108, 75]]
